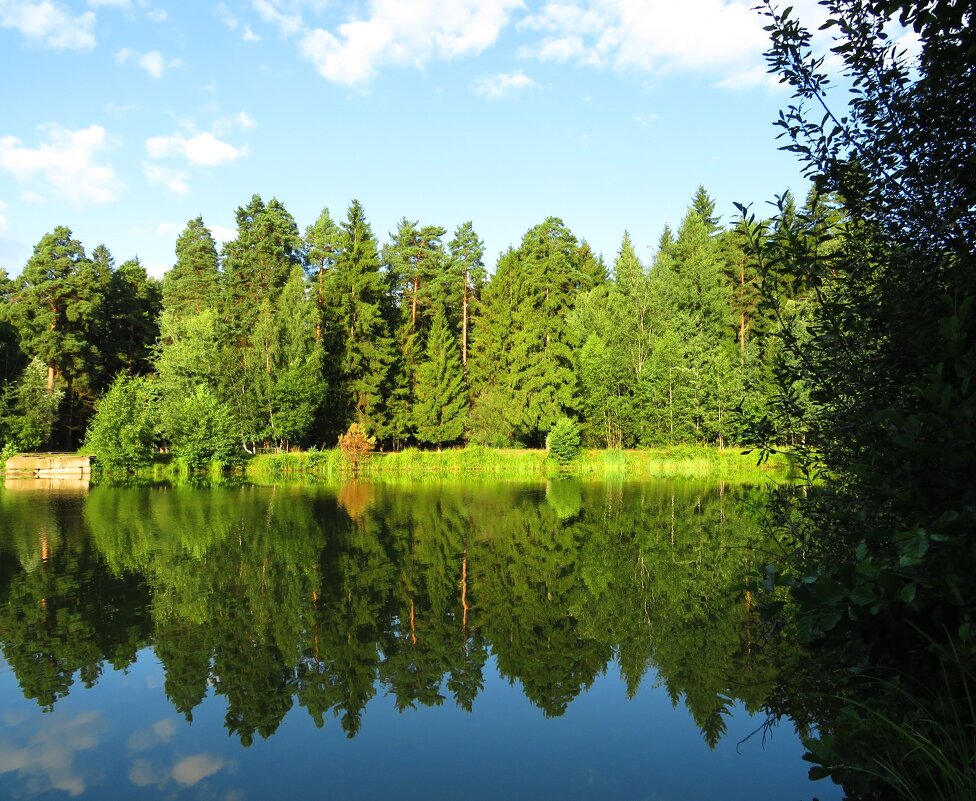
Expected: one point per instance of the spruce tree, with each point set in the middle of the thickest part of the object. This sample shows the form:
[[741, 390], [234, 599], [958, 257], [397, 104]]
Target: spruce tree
[[192, 284], [523, 354], [356, 290], [442, 401], [322, 243], [541, 381]]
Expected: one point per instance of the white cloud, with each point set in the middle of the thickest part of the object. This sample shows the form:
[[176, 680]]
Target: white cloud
[[154, 14], [202, 149], [66, 161], [506, 84], [143, 774], [174, 180], [3, 217], [49, 23], [152, 62], [249, 35], [656, 36], [288, 23], [192, 769], [162, 731], [226, 16], [47, 760], [30, 196], [392, 33]]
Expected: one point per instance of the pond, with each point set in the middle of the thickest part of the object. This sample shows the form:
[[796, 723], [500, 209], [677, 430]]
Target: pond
[[557, 640]]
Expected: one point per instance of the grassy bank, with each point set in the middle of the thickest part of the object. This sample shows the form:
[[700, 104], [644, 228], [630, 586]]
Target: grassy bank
[[684, 462]]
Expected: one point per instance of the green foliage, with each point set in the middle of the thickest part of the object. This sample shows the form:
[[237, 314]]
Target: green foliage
[[191, 286], [282, 384], [60, 315], [29, 412], [600, 387], [442, 401], [200, 429], [122, 434], [487, 422], [258, 262], [524, 344], [133, 302], [878, 396], [563, 441], [355, 295]]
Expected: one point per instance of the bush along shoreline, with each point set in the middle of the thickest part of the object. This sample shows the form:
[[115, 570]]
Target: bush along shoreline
[[475, 460], [703, 463]]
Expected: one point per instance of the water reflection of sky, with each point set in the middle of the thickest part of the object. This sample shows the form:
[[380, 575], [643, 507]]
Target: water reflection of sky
[[122, 740]]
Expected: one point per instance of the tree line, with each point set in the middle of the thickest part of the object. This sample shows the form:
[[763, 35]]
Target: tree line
[[284, 339]]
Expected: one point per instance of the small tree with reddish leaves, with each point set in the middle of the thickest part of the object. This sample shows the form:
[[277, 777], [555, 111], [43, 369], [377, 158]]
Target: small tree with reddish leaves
[[356, 445]]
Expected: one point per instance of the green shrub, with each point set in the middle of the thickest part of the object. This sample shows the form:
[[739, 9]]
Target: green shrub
[[122, 434], [563, 441], [202, 429]]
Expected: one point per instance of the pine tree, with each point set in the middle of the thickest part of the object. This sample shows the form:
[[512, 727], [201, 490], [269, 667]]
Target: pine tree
[[322, 243], [703, 205], [49, 300], [416, 261], [441, 397], [192, 284], [357, 293], [491, 354], [532, 363], [467, 271], [59, 316], [258, 262], [257, 266], [132, 308]]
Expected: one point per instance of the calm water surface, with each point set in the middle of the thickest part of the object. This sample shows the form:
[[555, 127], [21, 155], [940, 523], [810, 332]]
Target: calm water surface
[[431, 641]]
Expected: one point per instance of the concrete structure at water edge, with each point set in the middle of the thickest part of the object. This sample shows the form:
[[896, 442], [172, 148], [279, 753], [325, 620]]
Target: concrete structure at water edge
[[49, 465]]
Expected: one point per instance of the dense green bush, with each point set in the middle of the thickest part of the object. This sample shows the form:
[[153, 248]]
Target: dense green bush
[[201, 429], [122, 434], [28, 411], [563, 440]]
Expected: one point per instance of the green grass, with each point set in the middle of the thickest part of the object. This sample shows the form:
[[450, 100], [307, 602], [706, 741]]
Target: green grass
[[679, 462]]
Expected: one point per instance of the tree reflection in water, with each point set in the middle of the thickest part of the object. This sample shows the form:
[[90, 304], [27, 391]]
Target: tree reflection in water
[[325, 596]]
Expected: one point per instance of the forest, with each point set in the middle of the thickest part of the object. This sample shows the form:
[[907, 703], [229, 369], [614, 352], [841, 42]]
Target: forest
[[842, 328], [283, 339]]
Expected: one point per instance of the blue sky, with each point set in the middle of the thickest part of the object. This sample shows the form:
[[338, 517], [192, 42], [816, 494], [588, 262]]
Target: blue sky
[[123, 119]]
